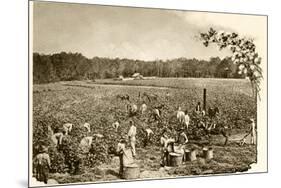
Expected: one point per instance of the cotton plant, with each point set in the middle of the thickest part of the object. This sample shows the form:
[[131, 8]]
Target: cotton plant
[[244, 54]]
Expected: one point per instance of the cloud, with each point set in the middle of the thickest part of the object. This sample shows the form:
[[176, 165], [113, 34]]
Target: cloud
[[135, 33]]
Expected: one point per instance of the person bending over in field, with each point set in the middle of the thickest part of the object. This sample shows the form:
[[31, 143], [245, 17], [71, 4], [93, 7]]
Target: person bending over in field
[[180, 115], [213, 112], [67, 127], [87, 127], [132, 137], [86, 143], [143, 108], [116, 125], [217, 129], [57, 138], [156, 114], [132, 109], [42, 165], [148, 136]]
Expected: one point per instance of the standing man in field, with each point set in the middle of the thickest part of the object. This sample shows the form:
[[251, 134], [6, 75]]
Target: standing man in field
[[180, 115], [251, 132], [198, 108], [125, 155], [132, 137], [167, 145], [182, 138]]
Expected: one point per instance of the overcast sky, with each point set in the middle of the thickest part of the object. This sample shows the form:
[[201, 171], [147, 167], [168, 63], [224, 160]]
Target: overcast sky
[[136, 33]]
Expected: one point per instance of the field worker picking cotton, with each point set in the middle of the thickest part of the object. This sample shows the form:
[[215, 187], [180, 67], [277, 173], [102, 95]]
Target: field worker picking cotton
[[148, 136], [57, 138], [180, 115], [182, 138], [116, 125], [186, 120], [87, 127], [67, 127], [86, 143], [42, 165], [167, 145], [251, 132], [125, 155], [143, 108], [198, 108], [132, 137]]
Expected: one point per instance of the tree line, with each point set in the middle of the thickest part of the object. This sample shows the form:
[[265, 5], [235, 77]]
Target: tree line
[[74, 66]]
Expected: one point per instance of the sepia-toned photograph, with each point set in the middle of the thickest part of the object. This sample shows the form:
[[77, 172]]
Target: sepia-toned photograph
[[131, 93]]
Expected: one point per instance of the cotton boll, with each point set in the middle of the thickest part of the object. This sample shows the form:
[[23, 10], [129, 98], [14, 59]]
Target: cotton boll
[[241, 60], [252, 67], [236, 61], [256, 73], [241, 67]]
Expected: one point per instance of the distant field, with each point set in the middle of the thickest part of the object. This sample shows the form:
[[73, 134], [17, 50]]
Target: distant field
[[95, 102], [227, 85]]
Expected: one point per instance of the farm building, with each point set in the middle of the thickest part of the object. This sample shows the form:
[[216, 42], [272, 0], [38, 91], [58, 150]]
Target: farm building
[[137, 76]]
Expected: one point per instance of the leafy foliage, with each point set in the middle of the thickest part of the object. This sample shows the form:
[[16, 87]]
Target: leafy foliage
[[74, 66], [244, 53]]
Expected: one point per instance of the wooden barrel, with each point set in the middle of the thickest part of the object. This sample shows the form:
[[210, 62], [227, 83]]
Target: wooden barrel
[[175, 159], [208, 153], [192, 155], [131, 172]]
